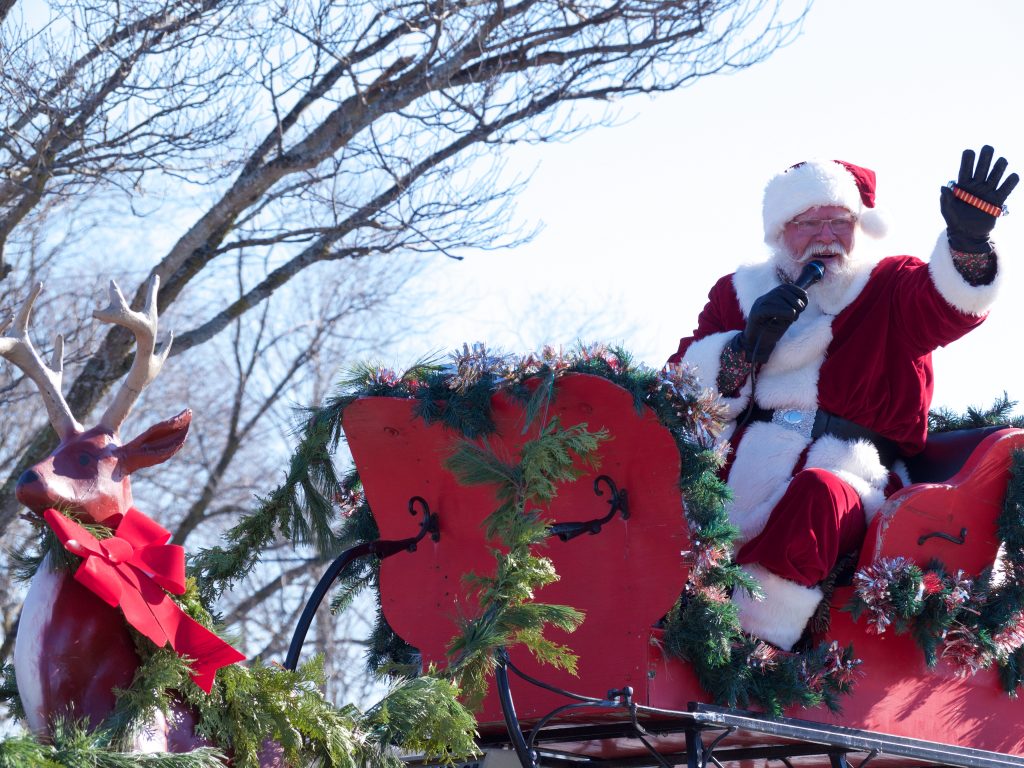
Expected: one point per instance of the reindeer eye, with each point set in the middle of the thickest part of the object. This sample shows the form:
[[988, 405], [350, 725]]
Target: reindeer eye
[[84, 458]]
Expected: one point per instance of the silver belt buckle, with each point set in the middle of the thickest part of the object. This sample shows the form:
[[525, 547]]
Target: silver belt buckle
[[798, 421]]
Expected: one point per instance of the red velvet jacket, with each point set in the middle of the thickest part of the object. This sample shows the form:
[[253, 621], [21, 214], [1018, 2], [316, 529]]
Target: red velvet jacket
[[877, 369]]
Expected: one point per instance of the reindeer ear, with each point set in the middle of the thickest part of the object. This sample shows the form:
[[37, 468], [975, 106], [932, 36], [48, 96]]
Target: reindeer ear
[[156, 444]]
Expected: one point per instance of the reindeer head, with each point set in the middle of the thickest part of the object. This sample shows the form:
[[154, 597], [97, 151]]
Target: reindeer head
[[88, 473]]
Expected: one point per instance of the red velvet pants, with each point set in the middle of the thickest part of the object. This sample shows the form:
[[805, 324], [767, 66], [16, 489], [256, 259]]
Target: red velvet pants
[[819, 518]]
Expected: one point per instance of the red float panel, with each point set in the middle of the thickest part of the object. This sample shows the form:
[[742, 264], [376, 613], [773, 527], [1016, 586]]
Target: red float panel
[[624, 579]]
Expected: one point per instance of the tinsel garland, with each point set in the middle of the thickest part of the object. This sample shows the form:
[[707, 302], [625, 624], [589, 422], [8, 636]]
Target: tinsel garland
[[968, 623], [703, 627]]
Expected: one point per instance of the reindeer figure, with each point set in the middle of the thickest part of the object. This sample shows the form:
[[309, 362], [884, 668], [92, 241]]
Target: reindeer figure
[[73, 648]]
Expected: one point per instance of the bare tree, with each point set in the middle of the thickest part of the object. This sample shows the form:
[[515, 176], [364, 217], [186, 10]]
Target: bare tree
[[285, 135], [246, 394], [244, 388]]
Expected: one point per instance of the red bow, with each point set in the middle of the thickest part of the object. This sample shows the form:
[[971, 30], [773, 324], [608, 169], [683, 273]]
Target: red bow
[[129, 570]]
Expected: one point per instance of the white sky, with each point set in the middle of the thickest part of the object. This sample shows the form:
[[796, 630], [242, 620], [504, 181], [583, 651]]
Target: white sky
[[642, 218]]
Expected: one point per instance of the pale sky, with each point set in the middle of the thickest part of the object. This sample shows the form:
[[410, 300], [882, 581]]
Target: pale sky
[[642, 218]]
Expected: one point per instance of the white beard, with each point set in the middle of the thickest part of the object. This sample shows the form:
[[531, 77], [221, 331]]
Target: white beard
[[830, 295]]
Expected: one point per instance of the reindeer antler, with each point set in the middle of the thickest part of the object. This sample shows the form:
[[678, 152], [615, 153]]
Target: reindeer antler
[[18, 349], [147, 363]]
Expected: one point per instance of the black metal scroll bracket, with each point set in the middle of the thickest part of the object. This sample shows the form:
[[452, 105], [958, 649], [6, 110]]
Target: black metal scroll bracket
[[524, 747], [618, 501], [377, 547], [948, 537], [528, 758]]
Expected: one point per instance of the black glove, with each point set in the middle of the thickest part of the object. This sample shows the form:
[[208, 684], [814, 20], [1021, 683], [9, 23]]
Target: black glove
[[770, 317], [968, 227]]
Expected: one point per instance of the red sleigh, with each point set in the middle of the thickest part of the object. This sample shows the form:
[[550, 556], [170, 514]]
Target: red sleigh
[[620, 536]]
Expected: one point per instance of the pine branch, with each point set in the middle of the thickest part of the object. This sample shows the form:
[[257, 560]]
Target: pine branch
[[73, 745], [9, 693], [998, 414]]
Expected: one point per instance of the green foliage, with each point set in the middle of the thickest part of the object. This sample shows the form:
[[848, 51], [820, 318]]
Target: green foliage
[[945, 420], [1011, 672], [466, 412], [1010, 524], [424, 715], [739, 671], [300, 510], [507, 614], [702, 630], [9, 692], [257, 702], [73, 745], [387, 653]]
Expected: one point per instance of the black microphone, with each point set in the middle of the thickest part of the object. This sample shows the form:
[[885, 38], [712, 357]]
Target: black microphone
[[812, 273]]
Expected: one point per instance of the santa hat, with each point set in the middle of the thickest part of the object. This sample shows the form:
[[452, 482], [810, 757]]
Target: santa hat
[[819, 183]]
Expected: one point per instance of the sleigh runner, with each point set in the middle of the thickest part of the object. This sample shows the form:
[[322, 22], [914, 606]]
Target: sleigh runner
[[623, 549]]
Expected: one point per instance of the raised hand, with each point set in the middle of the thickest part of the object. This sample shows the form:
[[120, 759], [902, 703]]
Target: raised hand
[[971, 205]]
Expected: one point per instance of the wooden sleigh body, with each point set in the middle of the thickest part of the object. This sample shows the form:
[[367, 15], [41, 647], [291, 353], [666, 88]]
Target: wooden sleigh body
[[622, 566]]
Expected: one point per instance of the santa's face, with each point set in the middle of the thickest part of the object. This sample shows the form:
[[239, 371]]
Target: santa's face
[[824, 232]]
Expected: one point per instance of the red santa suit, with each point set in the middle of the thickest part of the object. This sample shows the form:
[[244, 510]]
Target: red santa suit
[[866, 357]]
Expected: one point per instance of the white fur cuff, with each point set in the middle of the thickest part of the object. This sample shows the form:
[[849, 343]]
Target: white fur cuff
[[856, 462], [970, 299], [780, 617], [705, 358]]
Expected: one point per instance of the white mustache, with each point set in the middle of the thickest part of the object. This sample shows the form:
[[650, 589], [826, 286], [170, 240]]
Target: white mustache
[[821, 249]]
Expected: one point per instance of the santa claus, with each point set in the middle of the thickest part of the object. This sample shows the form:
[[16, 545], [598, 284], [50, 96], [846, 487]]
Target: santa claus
[[827, 377]]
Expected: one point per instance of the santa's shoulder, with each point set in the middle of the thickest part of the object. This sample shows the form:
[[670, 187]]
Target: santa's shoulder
[[893, 266]]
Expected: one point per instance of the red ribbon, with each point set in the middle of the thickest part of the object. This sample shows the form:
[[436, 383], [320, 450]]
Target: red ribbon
[[131, 570]]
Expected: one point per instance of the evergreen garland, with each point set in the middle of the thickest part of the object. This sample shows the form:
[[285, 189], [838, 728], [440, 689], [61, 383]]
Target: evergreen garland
[[507, 614], [72, 745], [703, 627], [422, 715], [970, 623], [9, 692]]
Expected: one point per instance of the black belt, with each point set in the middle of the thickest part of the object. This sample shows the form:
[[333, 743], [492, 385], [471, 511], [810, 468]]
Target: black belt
[[826, 423]]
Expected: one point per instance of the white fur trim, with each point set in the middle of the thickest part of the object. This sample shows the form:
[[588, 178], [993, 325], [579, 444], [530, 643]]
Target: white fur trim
[[873, 225], [856, 462], [751, 281], [809, 185], [760, 474], [899, 467], [705, 358], [864, 263], [780, 617], [790, 377], [970, 299]]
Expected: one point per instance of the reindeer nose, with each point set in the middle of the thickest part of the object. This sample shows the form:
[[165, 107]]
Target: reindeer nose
[[28, 476], [31, 491]]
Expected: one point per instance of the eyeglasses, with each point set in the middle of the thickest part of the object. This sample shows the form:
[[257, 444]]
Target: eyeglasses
[[841, 226]]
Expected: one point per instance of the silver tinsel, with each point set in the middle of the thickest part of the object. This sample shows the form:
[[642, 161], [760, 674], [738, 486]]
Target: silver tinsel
[[872, 585]]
